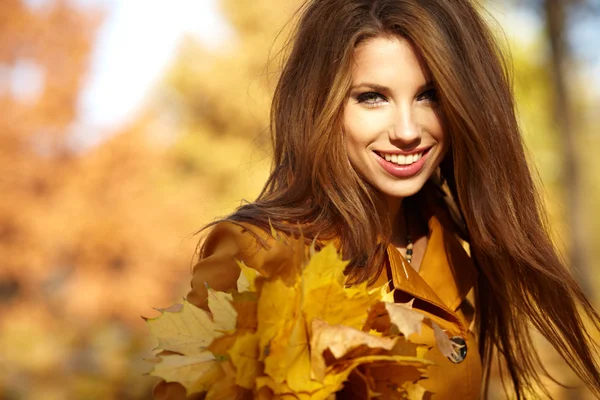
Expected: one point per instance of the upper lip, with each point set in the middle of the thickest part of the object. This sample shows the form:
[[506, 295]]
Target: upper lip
[[402, 152]]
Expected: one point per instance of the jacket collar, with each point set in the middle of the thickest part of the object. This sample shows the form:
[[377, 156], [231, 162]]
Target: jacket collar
[[446, 275]]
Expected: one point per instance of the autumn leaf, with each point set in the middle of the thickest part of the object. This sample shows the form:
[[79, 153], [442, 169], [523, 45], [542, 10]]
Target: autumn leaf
[[285, 337], [407, 348], [386, 295], [325, 266], [391, 379], [383, 374], [190, 331], [245, 305], [223, 312], [226, 389], [414, 391], [446, 346], [325, 297], [340, 339], [188, 370], [244, 356], [187, 331], [405, 318], [247, 279], [275, 308], [336, 305], [292, 352]]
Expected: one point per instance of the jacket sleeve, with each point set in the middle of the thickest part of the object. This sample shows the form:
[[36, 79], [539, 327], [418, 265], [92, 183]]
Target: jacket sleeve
[[217, 268]]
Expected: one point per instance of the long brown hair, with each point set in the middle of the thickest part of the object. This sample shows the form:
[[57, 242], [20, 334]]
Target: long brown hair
[[522, 279]]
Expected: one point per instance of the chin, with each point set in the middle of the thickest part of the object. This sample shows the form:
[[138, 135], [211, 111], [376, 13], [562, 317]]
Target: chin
[[402, 189]]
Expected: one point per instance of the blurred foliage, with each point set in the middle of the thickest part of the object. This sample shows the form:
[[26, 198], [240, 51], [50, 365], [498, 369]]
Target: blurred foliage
[[90, 240]]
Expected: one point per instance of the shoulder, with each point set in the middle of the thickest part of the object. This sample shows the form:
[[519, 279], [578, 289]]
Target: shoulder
[[235, 239], [230, 242]]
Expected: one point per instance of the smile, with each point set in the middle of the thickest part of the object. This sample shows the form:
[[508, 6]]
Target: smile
[[402, 165], [402, 159]]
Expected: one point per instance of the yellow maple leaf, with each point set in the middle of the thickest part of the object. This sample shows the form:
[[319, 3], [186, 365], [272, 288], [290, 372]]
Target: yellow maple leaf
[[187, 331], [244, 356], [189, 370], [223, 313], [324, 266], [291, 352], [336, 305], [321, 391], [405, 318], [386, 295], [275, 308], [325, 297], [190, 331], [247, 279], [286, 354], [226, 389], [414, 391]]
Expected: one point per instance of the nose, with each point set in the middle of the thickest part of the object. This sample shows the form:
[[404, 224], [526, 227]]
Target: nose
[[405, 129]]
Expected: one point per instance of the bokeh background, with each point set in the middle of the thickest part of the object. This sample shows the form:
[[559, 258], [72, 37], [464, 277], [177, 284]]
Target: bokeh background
[[125, 125]]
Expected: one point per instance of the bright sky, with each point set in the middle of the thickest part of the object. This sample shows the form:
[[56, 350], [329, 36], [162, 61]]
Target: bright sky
[[135, 45]]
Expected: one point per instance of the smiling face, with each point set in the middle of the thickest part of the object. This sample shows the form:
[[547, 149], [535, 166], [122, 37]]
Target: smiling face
[[392, 123]]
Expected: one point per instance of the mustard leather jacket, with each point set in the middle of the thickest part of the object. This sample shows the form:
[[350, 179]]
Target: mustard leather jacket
[[442, 290]]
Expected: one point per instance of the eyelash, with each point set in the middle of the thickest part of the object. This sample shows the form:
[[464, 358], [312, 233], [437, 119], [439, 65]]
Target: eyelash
[[430, 94], [370, 97]]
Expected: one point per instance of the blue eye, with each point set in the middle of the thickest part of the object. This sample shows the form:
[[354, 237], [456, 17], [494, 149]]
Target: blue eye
[[429, 95], [371, 98]]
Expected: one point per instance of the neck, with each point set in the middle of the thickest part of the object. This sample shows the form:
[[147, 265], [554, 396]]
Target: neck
[[400, 226], [395, 212]]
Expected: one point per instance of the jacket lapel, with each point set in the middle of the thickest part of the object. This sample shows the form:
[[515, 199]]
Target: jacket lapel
[[446, 274]]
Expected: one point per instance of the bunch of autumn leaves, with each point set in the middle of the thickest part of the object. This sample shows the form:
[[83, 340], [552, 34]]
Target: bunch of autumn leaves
[[300, 334]]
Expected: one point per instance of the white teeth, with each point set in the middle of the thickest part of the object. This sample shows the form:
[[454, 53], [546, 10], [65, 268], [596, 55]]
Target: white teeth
[[401, 159]]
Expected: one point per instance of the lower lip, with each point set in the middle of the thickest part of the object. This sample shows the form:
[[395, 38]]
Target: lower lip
[[403, 171]]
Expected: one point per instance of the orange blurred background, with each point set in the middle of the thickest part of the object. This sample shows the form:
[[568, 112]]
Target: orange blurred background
[[125, 126]]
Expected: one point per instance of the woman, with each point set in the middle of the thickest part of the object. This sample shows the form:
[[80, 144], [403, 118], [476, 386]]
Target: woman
[[394, 133]]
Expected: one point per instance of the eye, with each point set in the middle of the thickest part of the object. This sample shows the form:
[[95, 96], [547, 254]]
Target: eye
[[371, 98], [429, 95]]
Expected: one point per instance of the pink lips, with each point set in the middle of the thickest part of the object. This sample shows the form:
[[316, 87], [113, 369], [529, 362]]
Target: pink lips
[[403, 171]]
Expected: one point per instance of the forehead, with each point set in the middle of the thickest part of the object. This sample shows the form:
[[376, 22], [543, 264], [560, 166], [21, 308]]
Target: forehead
[[388, 59]]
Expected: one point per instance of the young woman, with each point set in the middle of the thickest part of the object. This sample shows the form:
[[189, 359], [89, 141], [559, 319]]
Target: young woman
[[394, 134]]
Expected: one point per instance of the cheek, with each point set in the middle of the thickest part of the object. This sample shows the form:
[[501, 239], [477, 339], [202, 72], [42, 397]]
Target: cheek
[[434, 124], [362, 127], [353, 141]]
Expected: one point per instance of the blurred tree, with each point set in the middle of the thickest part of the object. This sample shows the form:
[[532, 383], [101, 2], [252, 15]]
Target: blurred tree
[[555, 12], [560, 17], [85, 238], [556, 109], [220, 101]]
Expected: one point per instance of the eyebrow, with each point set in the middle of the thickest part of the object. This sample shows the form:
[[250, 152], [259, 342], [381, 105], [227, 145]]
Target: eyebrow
[[380, 88]]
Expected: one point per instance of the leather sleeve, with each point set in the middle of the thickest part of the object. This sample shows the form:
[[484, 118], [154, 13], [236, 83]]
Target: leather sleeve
[[217, 268]]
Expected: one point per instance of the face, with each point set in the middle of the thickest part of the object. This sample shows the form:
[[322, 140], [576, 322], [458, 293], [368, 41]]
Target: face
[[392, 124]]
